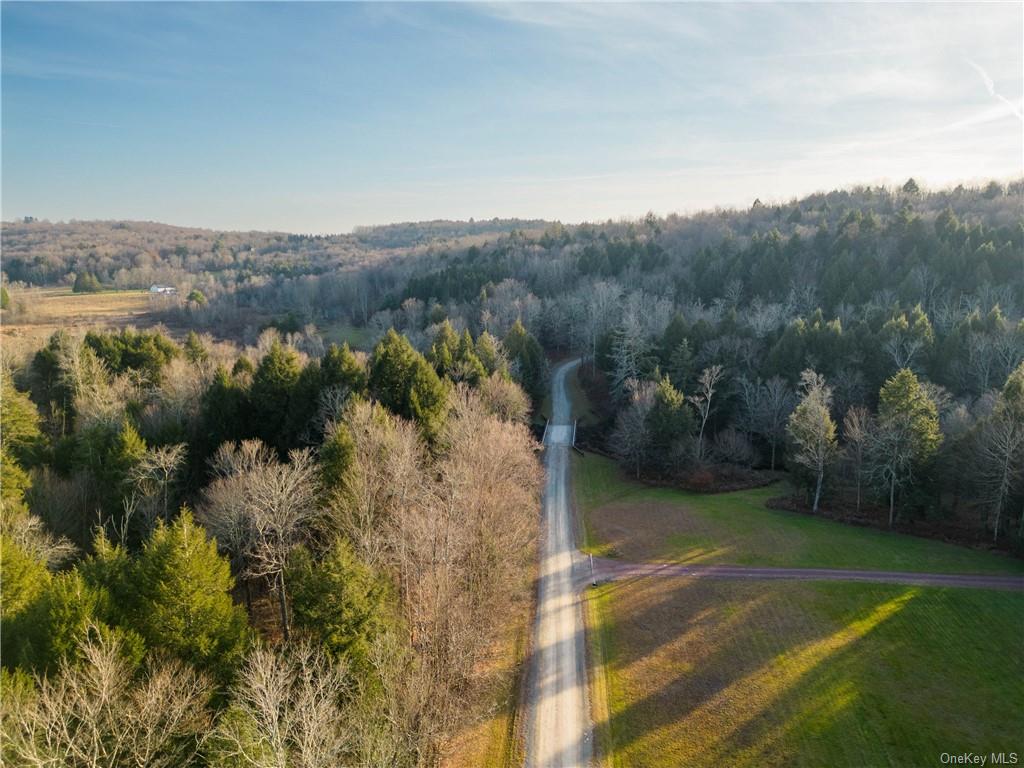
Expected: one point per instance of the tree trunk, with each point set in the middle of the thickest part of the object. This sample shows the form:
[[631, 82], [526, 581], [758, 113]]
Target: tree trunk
[[1003, 487], [773, 455], [892, 498], [817, 492], [282, 601]]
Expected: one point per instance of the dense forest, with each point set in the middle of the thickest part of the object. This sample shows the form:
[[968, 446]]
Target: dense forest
[[262, 549], [172, 513]]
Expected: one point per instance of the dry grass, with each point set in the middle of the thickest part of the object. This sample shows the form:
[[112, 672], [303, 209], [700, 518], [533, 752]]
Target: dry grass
[[36, 313], [734, 673], [492, 740]]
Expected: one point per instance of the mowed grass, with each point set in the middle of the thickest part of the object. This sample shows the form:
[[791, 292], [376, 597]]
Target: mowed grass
[[340, 333], [623, 518], [702, 672]]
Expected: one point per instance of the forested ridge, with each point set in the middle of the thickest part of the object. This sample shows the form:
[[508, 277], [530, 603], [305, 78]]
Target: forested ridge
[[260, 548]]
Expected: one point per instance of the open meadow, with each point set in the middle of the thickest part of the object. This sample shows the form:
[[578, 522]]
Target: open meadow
[[696, 672], [37, 312]]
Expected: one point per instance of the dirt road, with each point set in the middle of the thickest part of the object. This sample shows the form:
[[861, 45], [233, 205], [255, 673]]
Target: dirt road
[[559, 733], [609, 570]]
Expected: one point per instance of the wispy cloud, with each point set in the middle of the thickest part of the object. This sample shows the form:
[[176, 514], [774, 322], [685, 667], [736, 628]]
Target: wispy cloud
[[990, 86]]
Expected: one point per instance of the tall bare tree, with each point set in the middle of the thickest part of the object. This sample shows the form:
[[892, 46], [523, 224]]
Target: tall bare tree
[[707, 384], [857, 430], [258, 508], [812, 429], [286, 710]]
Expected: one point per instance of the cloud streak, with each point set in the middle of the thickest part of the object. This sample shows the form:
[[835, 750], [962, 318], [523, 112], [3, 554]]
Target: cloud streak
[[990, 86]]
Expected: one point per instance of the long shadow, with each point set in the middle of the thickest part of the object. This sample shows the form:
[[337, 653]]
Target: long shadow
[[739, 658]]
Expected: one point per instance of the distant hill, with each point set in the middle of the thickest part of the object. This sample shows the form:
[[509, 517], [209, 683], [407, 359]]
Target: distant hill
[[411, 233]]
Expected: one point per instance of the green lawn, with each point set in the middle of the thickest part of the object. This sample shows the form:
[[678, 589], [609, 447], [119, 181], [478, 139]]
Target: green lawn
[[357, 338], [735, 673], [640, 523]]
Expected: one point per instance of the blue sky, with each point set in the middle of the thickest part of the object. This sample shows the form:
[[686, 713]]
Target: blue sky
[[319, 117]]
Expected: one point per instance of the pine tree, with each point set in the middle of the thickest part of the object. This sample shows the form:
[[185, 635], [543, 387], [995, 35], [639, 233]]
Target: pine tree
[[335, 458], [669, 425], [341, 368], [489, 352], [404, 382], [271, 393], [527, 358], [908, 434], [338, 600], [19, 421], [181, 598], [195, 352]]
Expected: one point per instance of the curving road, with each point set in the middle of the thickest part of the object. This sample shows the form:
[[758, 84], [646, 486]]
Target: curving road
[[559, 733]]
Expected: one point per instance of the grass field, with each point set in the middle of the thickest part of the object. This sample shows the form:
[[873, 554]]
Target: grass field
[[357, 338], [38, 312], [640, 523], [705, 672]]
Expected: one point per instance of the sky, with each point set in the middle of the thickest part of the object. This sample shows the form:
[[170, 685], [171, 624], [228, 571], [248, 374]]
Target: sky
[[318, 117]]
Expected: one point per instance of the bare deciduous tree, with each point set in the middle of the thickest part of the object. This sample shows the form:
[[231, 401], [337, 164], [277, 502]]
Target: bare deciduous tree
[[707, 383], [631, 437], [812, 429], [286, 710], [258, 508], [96, 714], [857, 429], [155, 473], [1000, 462]]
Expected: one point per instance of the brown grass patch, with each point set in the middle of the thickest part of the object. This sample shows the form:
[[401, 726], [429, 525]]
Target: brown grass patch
[[640, 530]]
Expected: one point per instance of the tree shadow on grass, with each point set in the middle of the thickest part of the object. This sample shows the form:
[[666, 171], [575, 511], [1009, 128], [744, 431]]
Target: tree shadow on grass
[[679, 704]]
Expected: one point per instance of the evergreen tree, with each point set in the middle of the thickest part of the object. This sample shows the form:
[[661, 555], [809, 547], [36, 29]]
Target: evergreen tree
[[52, 629], [221, 415], [404, 382], [489, 352], [468, 367], [908, 435], [19, 422], [527, 359], [86, 282], [338, 600], [341, 368], [335, 457], [271, 393], [669, 426], [24, 579], [181, 598], [195, 352], [303, 405]]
